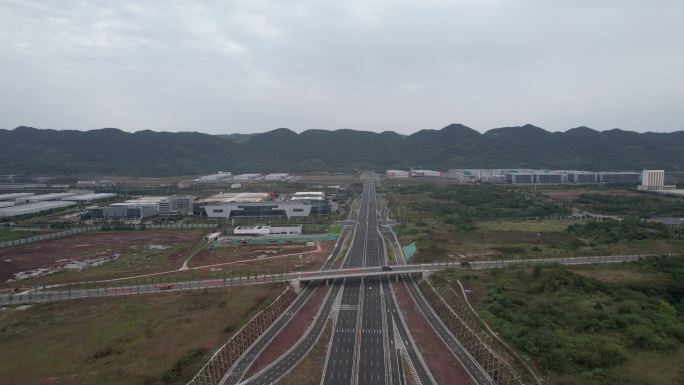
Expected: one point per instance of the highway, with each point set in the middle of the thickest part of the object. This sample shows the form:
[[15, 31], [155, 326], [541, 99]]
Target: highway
[[240, 367]]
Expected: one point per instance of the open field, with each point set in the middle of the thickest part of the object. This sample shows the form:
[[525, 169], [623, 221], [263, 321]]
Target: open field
[[156, 339], [473, 223], [607, 324], [126, 253], [265, 258]]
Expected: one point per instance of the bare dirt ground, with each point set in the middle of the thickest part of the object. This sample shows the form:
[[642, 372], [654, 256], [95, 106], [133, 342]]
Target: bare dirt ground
[[291, 333], [444, 366], [56, 253], [265, 258]]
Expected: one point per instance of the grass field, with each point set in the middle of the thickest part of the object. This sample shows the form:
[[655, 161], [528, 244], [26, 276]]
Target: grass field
[[10, 235], [154, 339], [588, 325], [484, 222]]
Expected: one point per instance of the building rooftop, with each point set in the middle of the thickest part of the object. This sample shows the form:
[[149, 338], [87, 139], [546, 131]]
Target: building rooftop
[[237, 197], [12, 196]]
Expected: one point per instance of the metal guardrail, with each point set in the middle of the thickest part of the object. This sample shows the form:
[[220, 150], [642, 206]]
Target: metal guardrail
[[36, 296]]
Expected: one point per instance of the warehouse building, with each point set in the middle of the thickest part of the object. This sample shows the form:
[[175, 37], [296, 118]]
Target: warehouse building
[[277, 177], [246, 177], [268, 230], [256, 205], [220, 176], [33, 208], [44, 197], [397, 174], [87, 198], [14, 196], [619, 177], [426, 173], [145, 207]]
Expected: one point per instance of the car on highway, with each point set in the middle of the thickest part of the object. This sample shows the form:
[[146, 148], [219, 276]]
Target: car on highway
[[387, 268], [164, 287]]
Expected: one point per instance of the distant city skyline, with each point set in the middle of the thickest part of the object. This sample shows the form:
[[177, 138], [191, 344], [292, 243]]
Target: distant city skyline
[[253, 66]]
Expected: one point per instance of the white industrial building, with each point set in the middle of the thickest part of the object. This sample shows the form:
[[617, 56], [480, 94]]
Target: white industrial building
[[426, 173], [246, 177], [397, 174], [268, 230], [654, 180], [220, 176], [308, 196], [33, 208], [91, 197], [13, 196], [237, 197], [277, 176], [145, 207], [44, 197]]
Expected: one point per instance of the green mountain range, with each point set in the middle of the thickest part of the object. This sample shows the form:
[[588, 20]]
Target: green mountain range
[[26, 150]]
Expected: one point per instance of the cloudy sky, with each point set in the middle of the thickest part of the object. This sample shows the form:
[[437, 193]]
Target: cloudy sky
[[256, 65]]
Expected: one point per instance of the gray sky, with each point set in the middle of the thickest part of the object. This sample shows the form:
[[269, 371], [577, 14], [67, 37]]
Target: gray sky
[[256, 65]]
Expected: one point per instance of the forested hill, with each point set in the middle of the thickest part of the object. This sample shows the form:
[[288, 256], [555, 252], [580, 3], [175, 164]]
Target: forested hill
[[115, 152]]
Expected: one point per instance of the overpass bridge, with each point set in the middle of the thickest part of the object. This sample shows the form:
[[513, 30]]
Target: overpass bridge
[[294, 278]]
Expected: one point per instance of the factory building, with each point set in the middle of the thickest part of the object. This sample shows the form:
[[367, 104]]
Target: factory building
[[654, 180], [256, 205], [246, 177], [550, 178], [268, 230], [426, 173], [14, 196], [33, 208], [220, 176], [44, 197], [579, 177], [397, 174], [520, 178], [145, 207], [277, 177], [87, 198], [619, 177]]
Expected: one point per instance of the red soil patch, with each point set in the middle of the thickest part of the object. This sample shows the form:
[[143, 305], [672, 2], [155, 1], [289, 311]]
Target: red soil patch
[[445, 368], [291, 333], [89, 245]]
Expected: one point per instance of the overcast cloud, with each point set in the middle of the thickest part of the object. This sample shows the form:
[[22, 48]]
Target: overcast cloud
[[256, 65]]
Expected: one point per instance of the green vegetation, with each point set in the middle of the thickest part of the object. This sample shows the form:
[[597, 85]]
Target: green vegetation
[[490, 222], [147, 153], [623, 231], [585, 328], [627, 205], [461, 205], [152, 339], [10, 235]]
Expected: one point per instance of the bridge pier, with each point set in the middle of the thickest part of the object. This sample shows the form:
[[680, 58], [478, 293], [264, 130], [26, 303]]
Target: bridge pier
[[295, 285]]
